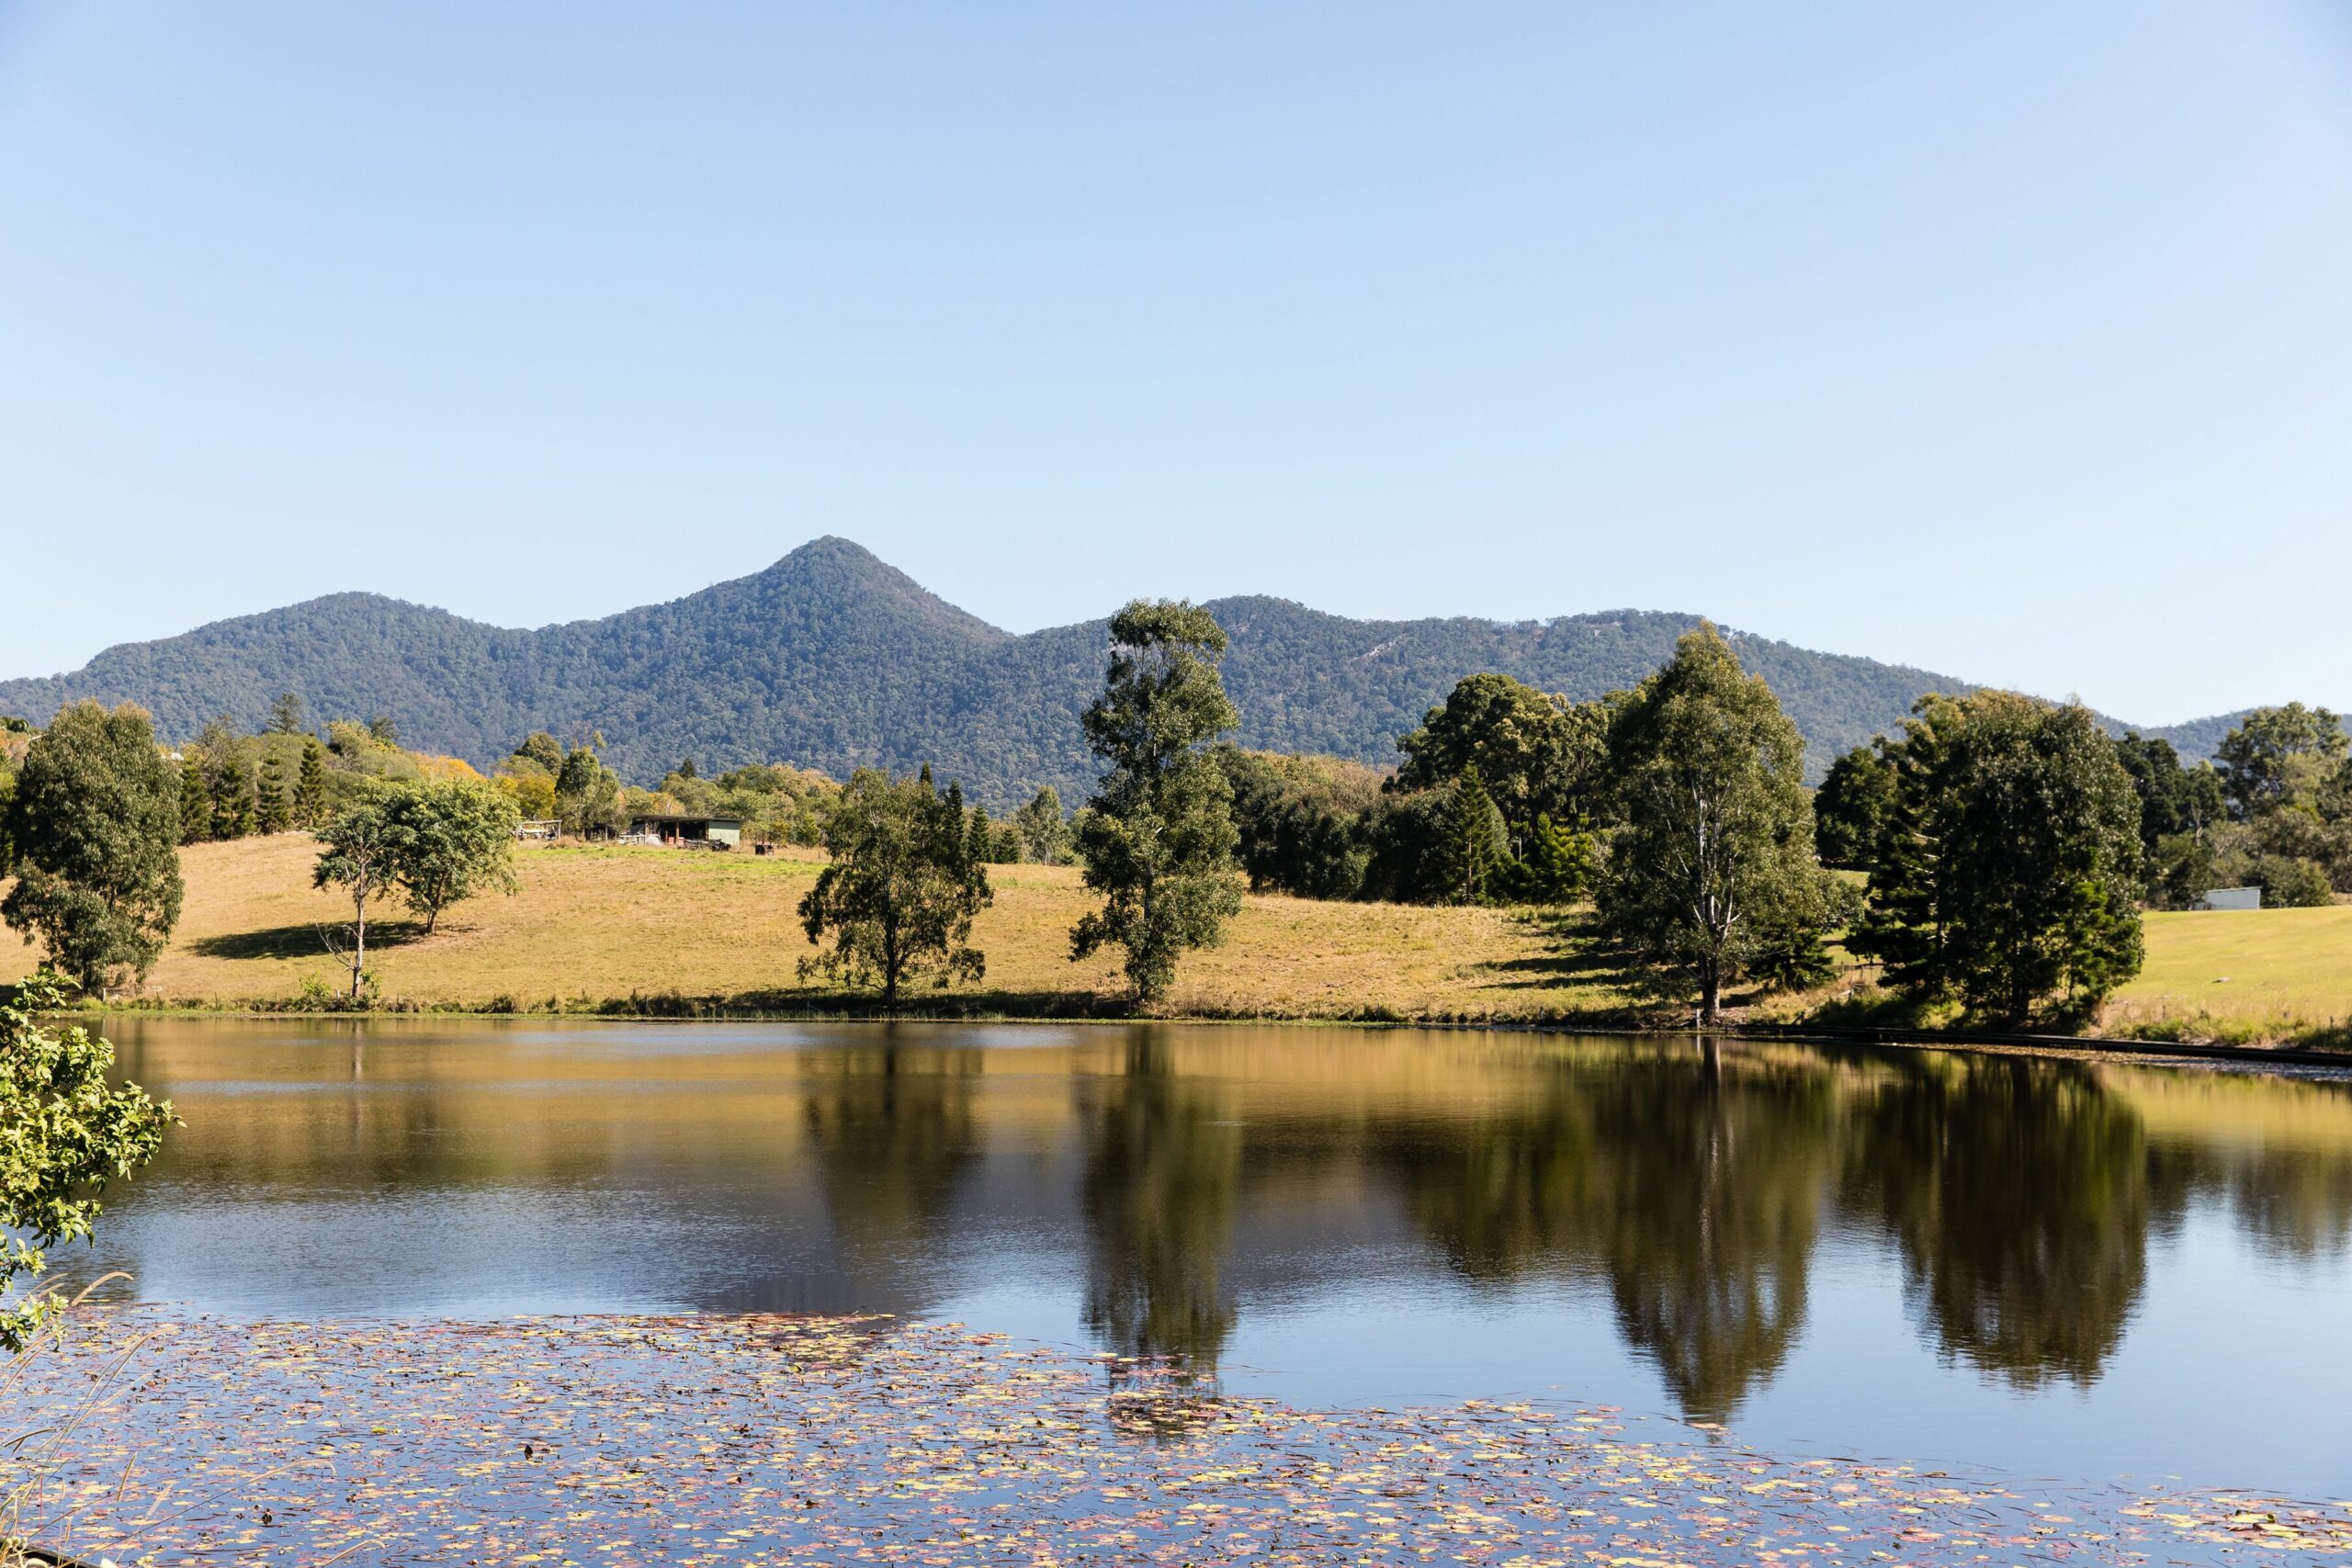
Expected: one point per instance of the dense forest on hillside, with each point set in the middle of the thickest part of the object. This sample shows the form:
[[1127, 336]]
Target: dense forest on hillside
[[832, 660]]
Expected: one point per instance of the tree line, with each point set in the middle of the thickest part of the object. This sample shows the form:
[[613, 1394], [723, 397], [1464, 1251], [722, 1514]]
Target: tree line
[[1995, 855], [92, 813]]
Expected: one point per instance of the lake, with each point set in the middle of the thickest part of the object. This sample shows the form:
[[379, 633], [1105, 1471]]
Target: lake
[[2036, 1267]]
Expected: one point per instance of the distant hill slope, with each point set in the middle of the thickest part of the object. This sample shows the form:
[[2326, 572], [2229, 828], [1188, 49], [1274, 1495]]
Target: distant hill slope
[[834, 660]]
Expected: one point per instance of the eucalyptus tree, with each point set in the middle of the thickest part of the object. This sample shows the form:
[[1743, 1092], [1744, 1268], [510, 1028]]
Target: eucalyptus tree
[[360, 853], [455, 839], [1158, 839], [1713, 864], [903, 888]]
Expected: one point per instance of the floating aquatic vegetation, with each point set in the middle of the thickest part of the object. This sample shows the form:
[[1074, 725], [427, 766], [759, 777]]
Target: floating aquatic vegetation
[[718, 1439]]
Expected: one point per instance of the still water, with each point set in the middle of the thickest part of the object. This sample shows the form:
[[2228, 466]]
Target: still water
[[2046, 1268]]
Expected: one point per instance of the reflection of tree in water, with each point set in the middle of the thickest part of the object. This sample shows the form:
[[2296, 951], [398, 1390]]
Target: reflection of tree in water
[[1694, 1189], [894, 1129], [1163, 1157], [2020, 1194], [2297, 1201]]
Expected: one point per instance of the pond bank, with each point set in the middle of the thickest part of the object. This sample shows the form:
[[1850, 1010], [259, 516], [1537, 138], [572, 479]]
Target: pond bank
[[719, 1438]]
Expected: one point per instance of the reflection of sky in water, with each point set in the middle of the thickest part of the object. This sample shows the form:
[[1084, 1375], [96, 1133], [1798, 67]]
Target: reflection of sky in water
[[2051, 1271]]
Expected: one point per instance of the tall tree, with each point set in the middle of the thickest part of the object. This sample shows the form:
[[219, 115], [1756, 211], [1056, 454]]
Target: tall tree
[[2280, 756], [273, 811], [310, 786], [232, 798], [1158, 839], [2009, 871], [1714, 860], [1478, 844], [360, 853], [903, 888], [1044, 836], [66, 1131], [95, 821], [455, 839], [541, 748], [194, 798], [286, 715], [588, 793]]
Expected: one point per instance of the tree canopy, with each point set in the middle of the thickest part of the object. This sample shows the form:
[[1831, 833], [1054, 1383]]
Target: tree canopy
[[452, 839], [94, 819], [898, 898], [1158, 839], [2009, 873], [1713, 864]]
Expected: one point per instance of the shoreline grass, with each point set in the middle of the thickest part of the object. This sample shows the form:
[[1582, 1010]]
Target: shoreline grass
[[647, 933]]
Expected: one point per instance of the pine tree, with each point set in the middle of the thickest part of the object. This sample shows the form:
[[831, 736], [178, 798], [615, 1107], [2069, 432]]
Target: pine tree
[[310, 786], [979, 840], [1477, 846], [1558, 866], [196, 800], [232, 800], [273, 812]]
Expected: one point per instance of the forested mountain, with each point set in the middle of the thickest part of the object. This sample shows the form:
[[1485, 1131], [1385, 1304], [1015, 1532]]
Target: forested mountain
[[831, 659]]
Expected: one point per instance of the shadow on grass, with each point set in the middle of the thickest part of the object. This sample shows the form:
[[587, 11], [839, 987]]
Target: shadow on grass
[[302, 942], [1580, 956]]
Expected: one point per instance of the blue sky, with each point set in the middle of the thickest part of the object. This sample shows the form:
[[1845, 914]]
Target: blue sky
[[2012, 340]]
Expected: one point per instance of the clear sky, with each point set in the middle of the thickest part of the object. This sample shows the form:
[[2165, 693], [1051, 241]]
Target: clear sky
[[2014, 340]]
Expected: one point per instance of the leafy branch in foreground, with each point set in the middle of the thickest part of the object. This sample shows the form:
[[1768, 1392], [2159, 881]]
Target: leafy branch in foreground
[[65, 1132]]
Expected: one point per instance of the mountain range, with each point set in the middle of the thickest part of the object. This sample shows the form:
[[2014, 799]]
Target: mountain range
[[834, 660]]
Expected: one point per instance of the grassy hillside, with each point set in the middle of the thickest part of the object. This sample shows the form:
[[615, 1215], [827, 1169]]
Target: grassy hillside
[[595, 926], [592, 924]]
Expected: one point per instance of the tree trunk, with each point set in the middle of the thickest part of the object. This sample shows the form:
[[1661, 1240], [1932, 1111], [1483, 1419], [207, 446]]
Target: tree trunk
[[1710, 995], [358, 941]]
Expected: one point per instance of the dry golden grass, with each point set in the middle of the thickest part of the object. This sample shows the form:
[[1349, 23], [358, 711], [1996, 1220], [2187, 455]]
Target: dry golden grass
[[592, 925], [656, 928]]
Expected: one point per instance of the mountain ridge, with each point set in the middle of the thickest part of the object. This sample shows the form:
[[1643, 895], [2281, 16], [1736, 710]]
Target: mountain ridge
[[831, 657]]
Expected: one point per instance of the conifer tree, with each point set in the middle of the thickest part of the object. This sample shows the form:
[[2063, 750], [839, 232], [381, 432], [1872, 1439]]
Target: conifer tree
[[273, 813], [1477, 847], [196, 799], [1557, 864], [980, 841], [232, 800], [310, 786]]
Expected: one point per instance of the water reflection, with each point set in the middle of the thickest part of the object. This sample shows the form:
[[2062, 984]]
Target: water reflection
[[1163, 1161], [1162, 1181]]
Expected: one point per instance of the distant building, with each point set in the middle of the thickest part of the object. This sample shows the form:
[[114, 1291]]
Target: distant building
[[681, 830], [2231, 898]]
